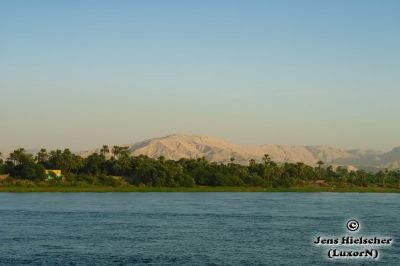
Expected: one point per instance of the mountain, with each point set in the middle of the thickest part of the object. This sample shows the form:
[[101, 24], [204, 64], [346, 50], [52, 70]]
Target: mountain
[[393, 155], [179, 146], [185, 146]]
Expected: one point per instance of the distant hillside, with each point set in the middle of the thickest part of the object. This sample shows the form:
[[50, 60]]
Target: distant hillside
[[184, 146]]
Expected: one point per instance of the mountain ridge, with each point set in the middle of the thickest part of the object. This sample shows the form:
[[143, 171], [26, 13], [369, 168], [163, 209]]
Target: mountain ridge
[[177, 146]]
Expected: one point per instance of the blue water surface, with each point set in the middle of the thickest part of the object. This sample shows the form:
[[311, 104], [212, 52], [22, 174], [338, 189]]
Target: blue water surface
[[189, 228]]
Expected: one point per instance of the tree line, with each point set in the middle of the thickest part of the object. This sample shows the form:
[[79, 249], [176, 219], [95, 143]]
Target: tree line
[[116, 166]]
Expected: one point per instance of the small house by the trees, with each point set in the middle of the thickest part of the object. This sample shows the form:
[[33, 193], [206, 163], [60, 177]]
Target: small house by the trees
[[53, 174]]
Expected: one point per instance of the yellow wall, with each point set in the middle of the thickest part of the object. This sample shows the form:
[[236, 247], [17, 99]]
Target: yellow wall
[[56, 172]]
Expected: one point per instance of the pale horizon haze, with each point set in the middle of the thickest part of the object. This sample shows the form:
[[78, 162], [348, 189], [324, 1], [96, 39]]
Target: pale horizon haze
[[80, 74]]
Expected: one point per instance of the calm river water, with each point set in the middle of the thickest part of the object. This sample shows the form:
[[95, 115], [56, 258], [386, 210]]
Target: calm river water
[[189, 228]]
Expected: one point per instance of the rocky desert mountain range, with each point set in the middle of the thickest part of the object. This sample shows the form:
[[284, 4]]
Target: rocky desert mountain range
[[179, 146]]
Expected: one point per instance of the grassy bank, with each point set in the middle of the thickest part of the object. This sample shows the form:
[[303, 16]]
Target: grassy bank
[[191, 189]]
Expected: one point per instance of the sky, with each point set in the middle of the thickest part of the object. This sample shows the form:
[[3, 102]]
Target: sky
[[84, 73]]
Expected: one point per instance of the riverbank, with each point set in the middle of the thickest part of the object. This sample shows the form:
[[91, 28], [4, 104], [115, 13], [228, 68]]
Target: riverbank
[[67, 189]]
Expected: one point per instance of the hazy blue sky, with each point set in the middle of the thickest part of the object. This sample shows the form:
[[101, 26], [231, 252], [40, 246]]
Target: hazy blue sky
[[82, 73]]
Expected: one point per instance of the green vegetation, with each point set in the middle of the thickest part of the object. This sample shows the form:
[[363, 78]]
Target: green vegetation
[[116, 170], [131, 188]]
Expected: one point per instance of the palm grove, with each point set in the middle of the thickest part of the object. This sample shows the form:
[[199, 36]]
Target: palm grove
[[116, 167]]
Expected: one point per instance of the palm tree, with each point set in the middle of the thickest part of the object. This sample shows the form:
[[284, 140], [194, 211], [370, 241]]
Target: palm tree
[[116, 150], [267, 159], [252, 162], [267, 162], [17, 156], [232, 160], [398, 177], [320, 163], [104, 150], [56, 159], [42, 156]]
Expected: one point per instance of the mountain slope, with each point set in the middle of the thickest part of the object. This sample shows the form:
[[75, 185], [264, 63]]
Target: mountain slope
[[184, 146]]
